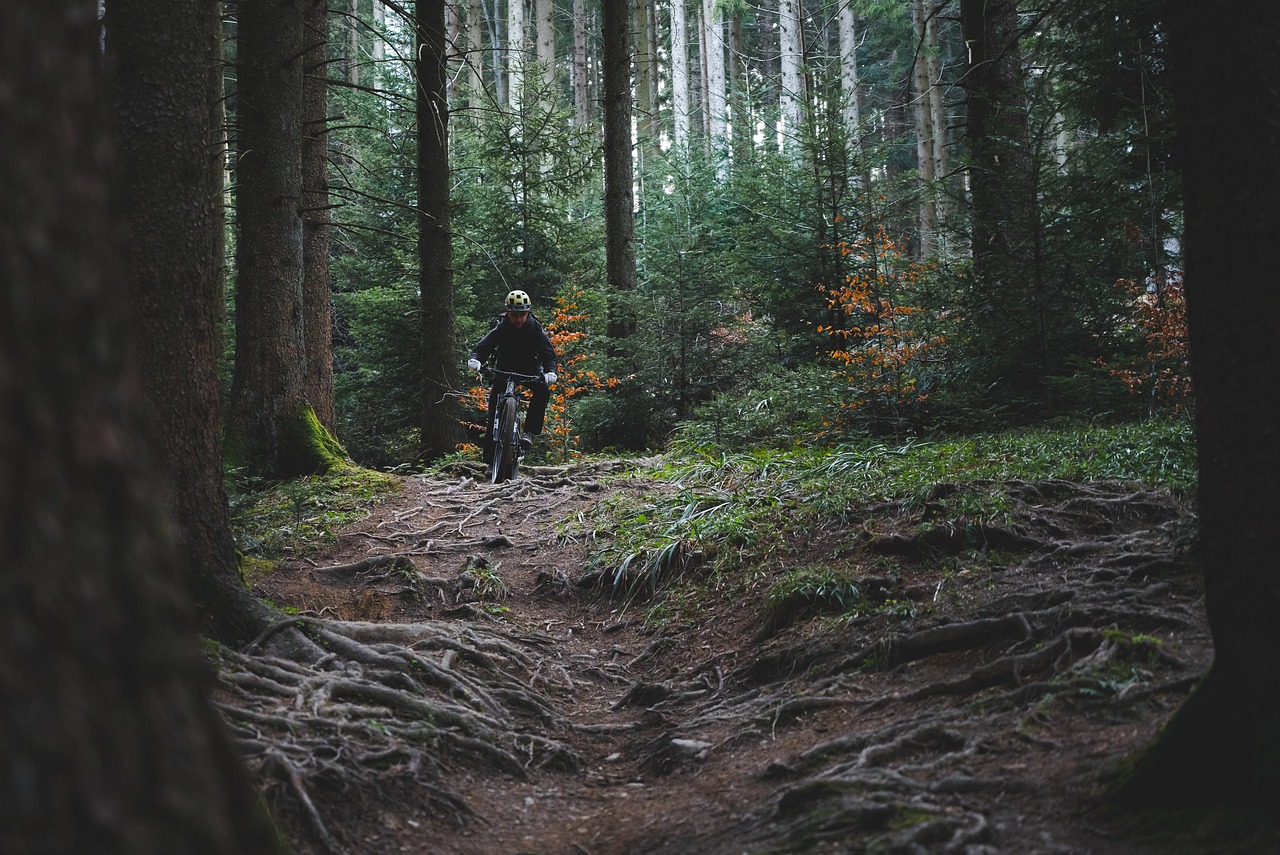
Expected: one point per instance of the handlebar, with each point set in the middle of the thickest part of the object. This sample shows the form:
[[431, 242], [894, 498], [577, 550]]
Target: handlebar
[[490, 373]]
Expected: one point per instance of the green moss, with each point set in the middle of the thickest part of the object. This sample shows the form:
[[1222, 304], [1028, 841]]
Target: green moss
[[253, 570], [300, 515], [307, 447]]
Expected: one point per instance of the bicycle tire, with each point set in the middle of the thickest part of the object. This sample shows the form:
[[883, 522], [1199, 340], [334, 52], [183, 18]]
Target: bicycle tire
[[507, 445]]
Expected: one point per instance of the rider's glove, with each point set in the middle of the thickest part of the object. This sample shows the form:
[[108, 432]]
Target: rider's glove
[[473, 364], [550, 377]]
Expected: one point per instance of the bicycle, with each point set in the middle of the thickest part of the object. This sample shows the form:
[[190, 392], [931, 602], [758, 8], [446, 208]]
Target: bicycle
[[507, 421]]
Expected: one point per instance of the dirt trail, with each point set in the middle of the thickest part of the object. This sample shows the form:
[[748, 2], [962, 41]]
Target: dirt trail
[[972, 711]]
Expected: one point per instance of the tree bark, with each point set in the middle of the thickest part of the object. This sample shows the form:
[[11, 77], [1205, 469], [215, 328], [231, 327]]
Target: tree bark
[[646, 86], [1223, 748], [581, 106], [109, 743], [544, 17], [926, 134], [441, 411], [620, 243], [171, 252], [517, 52], [681, 107], [271, 427], [317, 304], [1001, 174], [475, 54], [791, 58], [717, 103]]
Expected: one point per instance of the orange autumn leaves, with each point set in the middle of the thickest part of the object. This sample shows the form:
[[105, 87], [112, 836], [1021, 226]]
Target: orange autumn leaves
[[1160, 314], [878, 349]]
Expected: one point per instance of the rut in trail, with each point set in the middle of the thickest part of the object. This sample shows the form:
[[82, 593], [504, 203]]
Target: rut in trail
[[464, 691]]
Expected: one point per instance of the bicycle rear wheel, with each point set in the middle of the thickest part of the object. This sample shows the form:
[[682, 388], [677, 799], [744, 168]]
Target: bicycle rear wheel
[[506, 445]]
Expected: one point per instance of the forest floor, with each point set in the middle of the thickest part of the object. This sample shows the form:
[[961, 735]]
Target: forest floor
[[978, 703]]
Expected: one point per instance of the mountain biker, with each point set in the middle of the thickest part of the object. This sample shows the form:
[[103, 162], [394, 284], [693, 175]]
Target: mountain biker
[[522, 347]]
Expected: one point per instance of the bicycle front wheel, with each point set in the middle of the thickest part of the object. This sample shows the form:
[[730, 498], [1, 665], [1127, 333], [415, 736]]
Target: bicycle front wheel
[[506, 448]]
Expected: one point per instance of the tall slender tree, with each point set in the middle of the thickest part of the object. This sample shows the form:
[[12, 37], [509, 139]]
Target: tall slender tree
[[1010, 301], [517, 52], [681, 107], [717, 100], [620, 229], [317, 304], [581, 107], [441, 409], [474, 56], [791, 58], [271, 426]]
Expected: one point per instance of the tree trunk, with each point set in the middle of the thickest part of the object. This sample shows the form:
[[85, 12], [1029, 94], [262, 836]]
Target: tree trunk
[[1003, 205], [441, 415], [497, 55], [271, 428], [475, 54], [680, 104], [109, 742], [620, 242], [717, 104], [517, 53], [546, 48], [769, 70], [581, 104], [938, 120], [646, 79], [739, 92], [172, 236], [1222, 748], [850, 103], [791, 58], [926, 136], [317, 304]]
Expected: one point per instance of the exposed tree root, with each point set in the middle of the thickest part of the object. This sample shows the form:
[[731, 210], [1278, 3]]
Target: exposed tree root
[[1102, 579], [1090, 579], [335, 711], [405, 700]]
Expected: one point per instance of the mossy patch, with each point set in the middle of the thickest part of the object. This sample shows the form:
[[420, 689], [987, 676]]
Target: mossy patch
[[253, 570], [307, 447], [301, 515]]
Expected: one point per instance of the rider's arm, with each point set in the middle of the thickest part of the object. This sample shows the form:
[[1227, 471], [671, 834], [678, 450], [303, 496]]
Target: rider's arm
[[487, 344], [547, 353]]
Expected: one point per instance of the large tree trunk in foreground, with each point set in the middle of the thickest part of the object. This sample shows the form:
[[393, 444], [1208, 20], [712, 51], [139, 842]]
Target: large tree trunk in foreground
[[1223, 746], [109, 744], [164, 139]]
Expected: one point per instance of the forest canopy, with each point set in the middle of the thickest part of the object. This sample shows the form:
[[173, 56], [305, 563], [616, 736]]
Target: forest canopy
[[832, 236]]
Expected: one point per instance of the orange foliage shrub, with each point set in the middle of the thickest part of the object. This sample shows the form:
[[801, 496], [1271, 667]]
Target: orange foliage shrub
[[877, 348], [1160, 312], [567, 329]]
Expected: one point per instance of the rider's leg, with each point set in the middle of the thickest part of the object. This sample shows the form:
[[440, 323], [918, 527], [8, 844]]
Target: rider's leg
[[537, 411]]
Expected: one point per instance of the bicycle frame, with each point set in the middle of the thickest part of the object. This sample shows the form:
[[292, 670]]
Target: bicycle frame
[[507, 419]]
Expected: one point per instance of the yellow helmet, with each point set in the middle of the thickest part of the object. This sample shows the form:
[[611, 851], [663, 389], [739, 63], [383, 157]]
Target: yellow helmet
[[518, 301]]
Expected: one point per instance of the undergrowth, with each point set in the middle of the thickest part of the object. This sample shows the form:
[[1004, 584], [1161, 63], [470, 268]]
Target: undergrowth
[[301, 515], [734, 510]]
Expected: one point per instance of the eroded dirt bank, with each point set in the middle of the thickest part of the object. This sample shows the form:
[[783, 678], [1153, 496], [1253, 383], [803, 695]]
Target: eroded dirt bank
[[477, 698]]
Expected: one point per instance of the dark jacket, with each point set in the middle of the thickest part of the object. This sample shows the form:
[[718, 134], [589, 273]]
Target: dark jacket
[[526, 350]]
